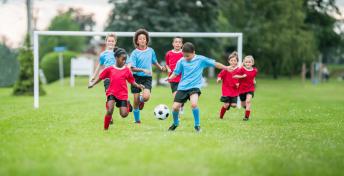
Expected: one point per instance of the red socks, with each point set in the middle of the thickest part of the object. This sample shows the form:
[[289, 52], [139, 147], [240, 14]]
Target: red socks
[[222, 112], [107, 120], [247, 113]]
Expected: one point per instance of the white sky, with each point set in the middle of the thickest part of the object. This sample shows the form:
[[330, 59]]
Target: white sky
[[13, 15]]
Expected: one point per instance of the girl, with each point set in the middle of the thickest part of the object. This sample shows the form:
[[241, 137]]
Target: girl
[[141, 59], [246, 76], [229, 85], [117, 91], [172, 57]]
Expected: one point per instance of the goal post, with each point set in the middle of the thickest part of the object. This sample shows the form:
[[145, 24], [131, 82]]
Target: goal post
[[37, 34]]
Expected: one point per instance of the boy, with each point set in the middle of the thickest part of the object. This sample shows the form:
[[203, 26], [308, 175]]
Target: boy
[[191, 68]]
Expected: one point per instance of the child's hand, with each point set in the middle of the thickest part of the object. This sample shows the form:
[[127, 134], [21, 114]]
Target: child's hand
[[141, 86], [163, 68], [169, 70], [237, 85], [229, 68], [90, 85], [147, 72], [218, 80]]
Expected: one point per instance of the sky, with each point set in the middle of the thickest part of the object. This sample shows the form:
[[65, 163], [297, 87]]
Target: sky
[[13, 15]]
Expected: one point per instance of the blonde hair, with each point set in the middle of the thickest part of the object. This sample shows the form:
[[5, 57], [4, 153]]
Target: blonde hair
[[111, 35], [249, 57]]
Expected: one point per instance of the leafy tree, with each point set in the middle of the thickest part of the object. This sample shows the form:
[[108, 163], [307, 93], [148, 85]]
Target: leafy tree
[[9, 66]]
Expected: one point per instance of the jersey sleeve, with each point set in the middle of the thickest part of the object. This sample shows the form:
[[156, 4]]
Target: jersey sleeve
[[154, 59], [128, 61], [207, 62], [178, 68], [101, 59], [132, 59], [105, 73], [130, 77], [221, 74], [167, 59]]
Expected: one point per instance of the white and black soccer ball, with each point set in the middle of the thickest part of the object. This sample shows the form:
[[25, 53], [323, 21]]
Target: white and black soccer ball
[[161, 112]]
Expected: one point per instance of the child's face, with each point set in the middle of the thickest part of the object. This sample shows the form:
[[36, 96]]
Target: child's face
[[142, 40], [177, 43], [110, 43], [120, 61], [248, 63], [188, 56], [233, 62]]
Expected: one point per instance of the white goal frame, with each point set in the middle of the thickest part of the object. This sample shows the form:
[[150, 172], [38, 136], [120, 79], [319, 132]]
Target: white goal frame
[[36, 35]]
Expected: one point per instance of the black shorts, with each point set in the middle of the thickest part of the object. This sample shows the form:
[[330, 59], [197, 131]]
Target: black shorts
[[144, 80], [106, 83], [228, 99], [243, 95], [119, 103], [184, 95], [174, 86]]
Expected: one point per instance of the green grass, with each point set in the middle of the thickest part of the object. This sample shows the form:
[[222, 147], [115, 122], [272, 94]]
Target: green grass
[[296, 129]]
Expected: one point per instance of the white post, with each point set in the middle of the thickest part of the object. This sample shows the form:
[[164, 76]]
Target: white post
[[36, 71], [239, 45], [61, 67]]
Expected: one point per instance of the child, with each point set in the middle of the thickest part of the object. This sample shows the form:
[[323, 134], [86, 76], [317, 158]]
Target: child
[[229, 85], [246, 76], [106, 58], [117, 91], [191, 68], [172, 57], [142, 59]]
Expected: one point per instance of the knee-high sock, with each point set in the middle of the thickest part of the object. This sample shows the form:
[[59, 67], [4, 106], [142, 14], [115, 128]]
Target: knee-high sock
[[195, 112], [175, 118], [137, 115], [247, 113], [107, 120], [222, 112]]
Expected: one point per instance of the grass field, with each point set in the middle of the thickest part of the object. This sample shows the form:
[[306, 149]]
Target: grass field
[[295, 129]]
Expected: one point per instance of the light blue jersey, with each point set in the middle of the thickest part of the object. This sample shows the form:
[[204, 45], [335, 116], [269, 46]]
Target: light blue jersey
[[143, 59], [107, 58], [192, 71]]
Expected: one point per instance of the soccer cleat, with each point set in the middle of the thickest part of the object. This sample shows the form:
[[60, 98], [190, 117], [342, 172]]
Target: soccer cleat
[[198, 129], [137, 122], [172, 127], [111, 122], [141, 105], [245, 119], [129, 107]]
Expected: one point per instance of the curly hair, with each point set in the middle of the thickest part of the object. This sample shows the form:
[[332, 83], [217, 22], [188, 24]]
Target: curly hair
[[139, 32]]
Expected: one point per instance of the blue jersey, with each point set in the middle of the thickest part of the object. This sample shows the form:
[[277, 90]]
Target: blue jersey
[[107, 58], [192, 71], [143, 59]]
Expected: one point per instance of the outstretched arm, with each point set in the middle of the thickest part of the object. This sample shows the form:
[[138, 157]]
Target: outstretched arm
[[140, 86], [161, 68], [172, 76], [93, 83], [239, 76], [134, 69], [96, 72]]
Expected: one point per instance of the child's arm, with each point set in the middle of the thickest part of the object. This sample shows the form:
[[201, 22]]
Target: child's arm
[[172, 76], [94, 82], [240, 76], [220, 76], [168, 69], [223, 67], [134, 69], [161, 68], [96, 72], [140, 86]]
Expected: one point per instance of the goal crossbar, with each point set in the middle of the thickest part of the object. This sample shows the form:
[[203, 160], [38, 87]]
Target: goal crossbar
[[36, 34]]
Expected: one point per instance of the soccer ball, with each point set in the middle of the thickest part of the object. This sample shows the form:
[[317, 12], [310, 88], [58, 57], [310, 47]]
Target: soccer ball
[[161, 112]]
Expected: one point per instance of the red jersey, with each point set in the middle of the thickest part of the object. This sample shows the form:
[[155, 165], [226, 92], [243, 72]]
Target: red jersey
[[172, 58], [118, 85], [229, 87], [247, 84]]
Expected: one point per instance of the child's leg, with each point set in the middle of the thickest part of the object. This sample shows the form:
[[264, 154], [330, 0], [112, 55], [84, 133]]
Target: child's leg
[[136, 107], [195, 110], [123, 112], [175, 112], [233, 105], [248, 105], [108, 116], [145, 95], [224, 109]]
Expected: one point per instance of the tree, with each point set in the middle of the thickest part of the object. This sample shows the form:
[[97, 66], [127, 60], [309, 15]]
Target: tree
[[70, 20], [165, 16], [9, 66], [274, 33], [25, 82]]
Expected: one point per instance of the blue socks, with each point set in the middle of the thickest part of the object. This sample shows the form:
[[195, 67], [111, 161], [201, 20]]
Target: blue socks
[[195, 113], [137, 115], [175, 117]]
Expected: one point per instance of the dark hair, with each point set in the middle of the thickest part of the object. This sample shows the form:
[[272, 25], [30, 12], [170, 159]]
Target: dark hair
[[119, 51], [188, 47], [178, 37], [139, 32], [233, 54]]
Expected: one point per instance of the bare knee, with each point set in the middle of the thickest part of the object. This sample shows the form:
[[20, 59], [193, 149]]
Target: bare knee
[[193, 105], [233, 105], [175, 107], [123, 114], [248, 102]]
